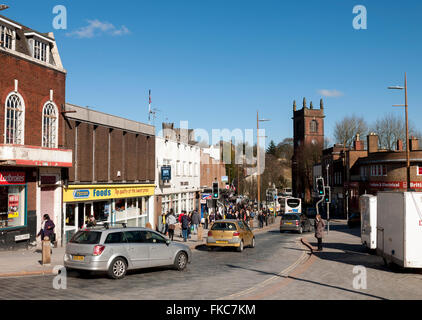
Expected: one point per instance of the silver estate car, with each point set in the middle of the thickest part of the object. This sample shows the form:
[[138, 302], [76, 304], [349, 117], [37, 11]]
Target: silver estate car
[[116, 250]]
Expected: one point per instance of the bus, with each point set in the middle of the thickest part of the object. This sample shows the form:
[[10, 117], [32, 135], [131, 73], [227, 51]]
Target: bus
[[290, 205]]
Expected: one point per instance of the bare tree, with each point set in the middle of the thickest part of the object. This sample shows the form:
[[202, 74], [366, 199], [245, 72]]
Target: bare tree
[[391, 128], [346, 130]]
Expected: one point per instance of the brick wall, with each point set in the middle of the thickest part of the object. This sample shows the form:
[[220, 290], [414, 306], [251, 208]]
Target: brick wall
[[34, 85]]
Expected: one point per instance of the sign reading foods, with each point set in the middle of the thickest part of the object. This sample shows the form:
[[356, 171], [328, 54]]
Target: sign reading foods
[[98, 193]]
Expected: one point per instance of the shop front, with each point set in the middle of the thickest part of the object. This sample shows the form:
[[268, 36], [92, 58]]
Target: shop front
[[13, 209], [130, 204]]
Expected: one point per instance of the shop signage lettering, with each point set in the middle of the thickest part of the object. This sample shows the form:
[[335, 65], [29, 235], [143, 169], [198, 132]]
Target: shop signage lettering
[[12, 178], [101, 193], [395, 185], [109, 192]]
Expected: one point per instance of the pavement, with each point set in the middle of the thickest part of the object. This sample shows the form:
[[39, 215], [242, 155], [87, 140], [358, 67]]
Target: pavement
[[335, 273], [28, 262]]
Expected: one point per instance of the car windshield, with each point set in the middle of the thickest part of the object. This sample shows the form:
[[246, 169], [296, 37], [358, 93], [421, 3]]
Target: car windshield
[[224, 226], [86, 237], [290, 217]]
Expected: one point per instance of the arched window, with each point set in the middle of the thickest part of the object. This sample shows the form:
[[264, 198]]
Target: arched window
[[314, 126], [50, 127], [14, 120]]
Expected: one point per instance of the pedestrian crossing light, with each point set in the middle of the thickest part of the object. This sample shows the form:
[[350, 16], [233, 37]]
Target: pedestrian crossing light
[[320, 186], [327, 196], [215, 191]]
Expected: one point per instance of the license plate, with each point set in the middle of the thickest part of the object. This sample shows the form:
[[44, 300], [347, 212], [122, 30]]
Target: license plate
[[78, 258], [222, 242], [289, 223]]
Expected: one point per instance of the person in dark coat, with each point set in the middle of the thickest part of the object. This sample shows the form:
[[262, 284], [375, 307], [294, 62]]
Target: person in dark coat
[[319, 230], [185, 227], [47, 228], [196, 220]]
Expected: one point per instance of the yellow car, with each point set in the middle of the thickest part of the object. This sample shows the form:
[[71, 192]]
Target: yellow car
[[230, 233]]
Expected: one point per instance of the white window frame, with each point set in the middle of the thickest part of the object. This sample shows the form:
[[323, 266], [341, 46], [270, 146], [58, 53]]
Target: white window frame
[[43, 46], [22, 101], [56, 129], [3, 30]]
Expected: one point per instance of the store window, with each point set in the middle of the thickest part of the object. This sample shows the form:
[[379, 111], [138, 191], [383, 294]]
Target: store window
[[132, 208], [101, 211], [12, 206], [120, 209], [70, 215]]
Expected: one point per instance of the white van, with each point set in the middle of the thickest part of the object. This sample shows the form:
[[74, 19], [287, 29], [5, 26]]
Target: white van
[[368, 215]]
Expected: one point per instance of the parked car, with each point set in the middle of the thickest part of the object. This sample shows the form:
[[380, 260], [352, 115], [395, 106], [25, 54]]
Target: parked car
[[295, 222], [230, 233], [354, 220], [116, 250]]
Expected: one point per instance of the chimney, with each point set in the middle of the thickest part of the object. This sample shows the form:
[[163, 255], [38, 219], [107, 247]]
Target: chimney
[[358, 144], [372, 143], [399, 145], [414, 144]]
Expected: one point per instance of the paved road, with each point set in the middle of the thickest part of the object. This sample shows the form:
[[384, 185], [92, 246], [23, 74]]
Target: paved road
[[211, 275]]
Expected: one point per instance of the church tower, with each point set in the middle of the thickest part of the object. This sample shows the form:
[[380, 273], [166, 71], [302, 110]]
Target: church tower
[[308, 139]]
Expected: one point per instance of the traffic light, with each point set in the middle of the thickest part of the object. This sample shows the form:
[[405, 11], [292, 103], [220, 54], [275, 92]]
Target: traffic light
[[327, 196], [215, 191], [320, 186]]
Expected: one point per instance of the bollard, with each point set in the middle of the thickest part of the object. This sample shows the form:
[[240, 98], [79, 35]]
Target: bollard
[[200, 231], [46, 251]]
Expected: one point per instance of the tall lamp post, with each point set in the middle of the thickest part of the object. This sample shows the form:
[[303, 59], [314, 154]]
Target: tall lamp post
[[257, 154], [407, 128]]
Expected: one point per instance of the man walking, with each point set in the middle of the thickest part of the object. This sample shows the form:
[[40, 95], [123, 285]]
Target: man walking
[[196, 219], [185, 227]]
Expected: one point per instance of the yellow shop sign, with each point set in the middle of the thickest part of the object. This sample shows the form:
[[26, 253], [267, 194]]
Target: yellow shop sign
[[103, 192]]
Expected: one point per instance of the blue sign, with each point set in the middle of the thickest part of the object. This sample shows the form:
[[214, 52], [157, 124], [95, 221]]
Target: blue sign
[[166, 173], [81, 194]]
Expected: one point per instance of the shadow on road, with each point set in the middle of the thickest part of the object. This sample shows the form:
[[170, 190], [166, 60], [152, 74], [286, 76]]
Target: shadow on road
[[308, 281]]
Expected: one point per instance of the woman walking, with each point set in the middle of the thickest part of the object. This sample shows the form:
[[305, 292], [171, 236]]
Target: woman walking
[[171, 220], [319, 230]]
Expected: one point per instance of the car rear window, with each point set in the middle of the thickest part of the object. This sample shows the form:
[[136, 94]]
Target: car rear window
[[290, 217], [86, 237], [227, 226]]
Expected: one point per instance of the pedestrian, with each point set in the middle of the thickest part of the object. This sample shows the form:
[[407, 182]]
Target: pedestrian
[[171, 220], [91, 222], [261, 219], [47, 229], [196, 219], [185, 227], [319, 230]]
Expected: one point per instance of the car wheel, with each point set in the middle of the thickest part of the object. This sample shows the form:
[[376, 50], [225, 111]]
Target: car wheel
[[181, 261], [117, 269], [300, 230], [253, 243], [240, 248]]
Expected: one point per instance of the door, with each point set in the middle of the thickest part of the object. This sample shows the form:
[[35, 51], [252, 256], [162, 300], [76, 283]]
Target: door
[[84, 211], [247, 240], [160, 253], [138, 249]]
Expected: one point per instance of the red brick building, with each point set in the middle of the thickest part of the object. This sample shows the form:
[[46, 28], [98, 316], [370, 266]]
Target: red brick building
[[33, 159]]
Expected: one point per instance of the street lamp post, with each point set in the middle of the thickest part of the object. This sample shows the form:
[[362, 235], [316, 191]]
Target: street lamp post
[[258, 162], [407, 128]]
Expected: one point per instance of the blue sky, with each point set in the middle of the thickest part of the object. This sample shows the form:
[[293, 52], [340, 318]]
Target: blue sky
[[215, 63]]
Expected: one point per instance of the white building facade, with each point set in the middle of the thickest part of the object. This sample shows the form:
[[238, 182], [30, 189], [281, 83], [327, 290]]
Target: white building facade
[[180, 190]]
